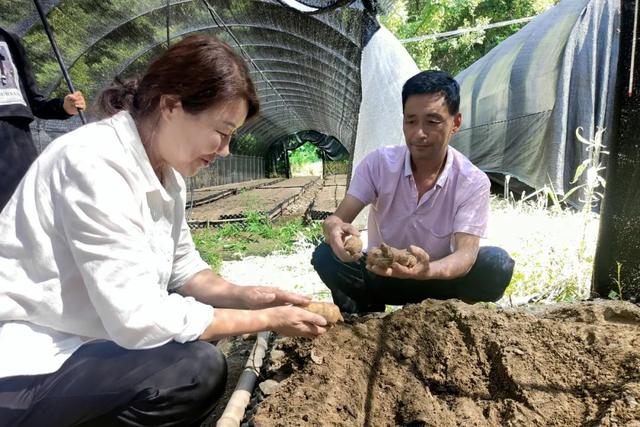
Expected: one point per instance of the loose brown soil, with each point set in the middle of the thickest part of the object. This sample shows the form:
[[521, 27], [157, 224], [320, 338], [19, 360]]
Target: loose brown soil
[[453, 364], [329, 198]]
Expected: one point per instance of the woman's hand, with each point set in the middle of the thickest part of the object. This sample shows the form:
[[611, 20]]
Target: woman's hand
[[256, 297], [295, 322]]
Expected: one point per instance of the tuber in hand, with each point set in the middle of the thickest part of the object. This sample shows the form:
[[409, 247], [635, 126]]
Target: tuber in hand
[[384, 256], [353, 245], [329, 311]]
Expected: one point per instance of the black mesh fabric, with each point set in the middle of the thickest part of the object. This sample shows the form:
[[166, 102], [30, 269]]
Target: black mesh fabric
[[306, 66]]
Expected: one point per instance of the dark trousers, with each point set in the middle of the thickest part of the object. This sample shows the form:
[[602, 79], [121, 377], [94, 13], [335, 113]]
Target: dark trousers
[[355, 289], [103, 384], [17, 152]]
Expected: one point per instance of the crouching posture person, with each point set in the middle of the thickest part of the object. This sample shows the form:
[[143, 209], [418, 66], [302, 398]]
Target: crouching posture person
[[106, 307], [424, 196]]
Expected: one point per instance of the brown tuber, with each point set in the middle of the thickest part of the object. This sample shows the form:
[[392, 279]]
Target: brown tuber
[[353, 245], [329, 311], [384, 256]]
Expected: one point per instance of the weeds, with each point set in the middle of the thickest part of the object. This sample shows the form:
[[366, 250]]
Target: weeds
[[257, 236], [618, 282], [554, 255]]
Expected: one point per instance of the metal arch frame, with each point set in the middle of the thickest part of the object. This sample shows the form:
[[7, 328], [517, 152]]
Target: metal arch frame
[[306, 77], [306, 67], [315, 91], [339, 117], [303, 53], [308, 112], [294, 125], [308, 107], [338, 30], [286, 132], [267, 133], [336, 102], [290, 127], [299, 90], [302, 103], [334, 54], [270, 60], [150, 47]]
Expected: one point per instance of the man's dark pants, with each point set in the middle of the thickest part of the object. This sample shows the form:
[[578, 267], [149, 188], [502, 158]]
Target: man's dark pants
[[102, 384], [355, 289]]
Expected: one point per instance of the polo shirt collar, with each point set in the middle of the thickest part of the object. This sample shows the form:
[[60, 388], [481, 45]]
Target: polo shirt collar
[[443, 175]]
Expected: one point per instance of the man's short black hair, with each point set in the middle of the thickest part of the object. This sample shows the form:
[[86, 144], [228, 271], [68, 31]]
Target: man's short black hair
[[433, 81]]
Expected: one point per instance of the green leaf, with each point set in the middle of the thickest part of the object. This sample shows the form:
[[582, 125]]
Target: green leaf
[[580, 170]]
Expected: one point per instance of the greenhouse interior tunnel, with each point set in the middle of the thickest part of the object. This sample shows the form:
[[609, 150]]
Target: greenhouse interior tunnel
[[304, 58]]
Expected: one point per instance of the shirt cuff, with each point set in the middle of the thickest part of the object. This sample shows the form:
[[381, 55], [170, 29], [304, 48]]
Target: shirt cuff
[[199, 317], [473, 230], [357, 195]]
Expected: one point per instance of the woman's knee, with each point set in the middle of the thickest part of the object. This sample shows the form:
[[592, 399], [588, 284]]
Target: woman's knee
[[205, 364]]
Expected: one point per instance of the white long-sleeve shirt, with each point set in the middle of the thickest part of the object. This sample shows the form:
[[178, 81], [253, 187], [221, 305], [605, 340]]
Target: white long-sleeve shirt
[[91, 244]]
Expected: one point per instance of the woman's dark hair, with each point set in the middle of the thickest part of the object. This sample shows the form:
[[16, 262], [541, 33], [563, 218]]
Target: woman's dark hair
[[433, 81], [201, 70]]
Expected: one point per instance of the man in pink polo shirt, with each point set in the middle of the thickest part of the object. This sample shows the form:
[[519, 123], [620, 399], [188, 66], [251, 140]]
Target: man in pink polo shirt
[[425, 196]]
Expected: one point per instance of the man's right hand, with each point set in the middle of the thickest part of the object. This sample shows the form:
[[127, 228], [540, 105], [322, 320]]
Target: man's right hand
[[335, 233]]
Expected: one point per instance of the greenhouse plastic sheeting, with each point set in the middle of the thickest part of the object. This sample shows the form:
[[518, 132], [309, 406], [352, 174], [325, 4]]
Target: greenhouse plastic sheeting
[[386, 66], [306, 66], [522, 102]]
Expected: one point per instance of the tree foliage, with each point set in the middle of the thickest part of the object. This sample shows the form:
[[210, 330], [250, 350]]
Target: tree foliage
[[411, 18], [306, 153]]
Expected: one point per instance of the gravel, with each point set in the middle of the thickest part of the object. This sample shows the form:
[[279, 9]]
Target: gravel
[[292, 272]]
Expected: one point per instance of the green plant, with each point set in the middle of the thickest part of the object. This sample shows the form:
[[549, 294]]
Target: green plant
[[555, 262], [306, 153], [618, 281], [257, 236], [410, 18]]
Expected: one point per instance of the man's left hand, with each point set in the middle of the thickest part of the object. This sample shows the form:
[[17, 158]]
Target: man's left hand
[[420, 271], [74, 102], [257, 297]]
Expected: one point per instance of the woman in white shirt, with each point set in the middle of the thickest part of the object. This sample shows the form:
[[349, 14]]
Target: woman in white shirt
[[105, 305]]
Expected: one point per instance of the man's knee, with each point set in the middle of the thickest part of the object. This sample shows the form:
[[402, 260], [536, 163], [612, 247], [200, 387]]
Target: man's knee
[[322, 258], [494, 267]]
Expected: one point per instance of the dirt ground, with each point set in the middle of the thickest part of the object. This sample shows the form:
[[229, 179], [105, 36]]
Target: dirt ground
[[452, 364], [264, 199]]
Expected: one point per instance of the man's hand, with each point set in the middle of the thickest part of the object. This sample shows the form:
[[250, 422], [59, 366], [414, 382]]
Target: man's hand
[[256, 297], [420, 271], [335, 233], [74, 102]]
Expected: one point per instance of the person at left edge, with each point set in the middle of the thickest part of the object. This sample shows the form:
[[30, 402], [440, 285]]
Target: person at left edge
[[20, 101]]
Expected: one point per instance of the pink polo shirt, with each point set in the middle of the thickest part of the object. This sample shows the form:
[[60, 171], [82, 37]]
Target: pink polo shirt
[[459, 202]]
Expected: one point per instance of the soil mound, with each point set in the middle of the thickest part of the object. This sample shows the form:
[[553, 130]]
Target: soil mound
[[453, 364]]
